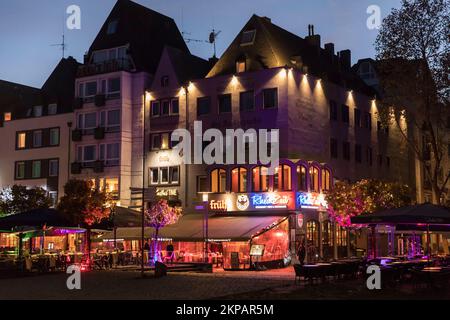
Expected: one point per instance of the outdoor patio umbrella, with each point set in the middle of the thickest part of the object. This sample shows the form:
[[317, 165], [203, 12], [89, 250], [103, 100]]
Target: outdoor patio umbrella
[[421, 215], [35, 218]]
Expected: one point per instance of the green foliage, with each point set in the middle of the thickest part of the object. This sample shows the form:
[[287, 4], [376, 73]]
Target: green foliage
[[83, 204], [365, 196], [17, 199]]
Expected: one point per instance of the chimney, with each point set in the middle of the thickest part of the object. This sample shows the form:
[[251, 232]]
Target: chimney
[[345, 59], [329, 48], [313, 39]]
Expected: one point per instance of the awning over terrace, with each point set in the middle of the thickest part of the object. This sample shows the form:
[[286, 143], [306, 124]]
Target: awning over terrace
[[190, 228]]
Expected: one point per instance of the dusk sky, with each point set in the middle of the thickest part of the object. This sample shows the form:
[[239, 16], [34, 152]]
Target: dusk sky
[[29, 28]]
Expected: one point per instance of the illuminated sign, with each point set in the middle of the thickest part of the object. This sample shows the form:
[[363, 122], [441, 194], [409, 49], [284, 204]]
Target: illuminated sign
[[311, 200], [164, 192], [270, 200], [218, 205], [300, 220], [251, 201], [242, 202]]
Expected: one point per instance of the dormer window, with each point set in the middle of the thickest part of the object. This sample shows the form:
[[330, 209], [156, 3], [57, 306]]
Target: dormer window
[[112, 27], [7, 116], [164, 81], [37, 111], [240, 66], [248, 37]]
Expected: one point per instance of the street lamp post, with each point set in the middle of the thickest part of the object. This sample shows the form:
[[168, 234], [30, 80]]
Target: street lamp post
[[205, 224], [146, 99]]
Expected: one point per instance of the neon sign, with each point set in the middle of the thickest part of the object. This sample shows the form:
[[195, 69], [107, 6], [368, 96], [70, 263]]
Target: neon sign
[[270, 200], [218, 205], [311, 200]]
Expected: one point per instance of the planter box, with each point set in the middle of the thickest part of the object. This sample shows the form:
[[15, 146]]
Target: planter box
[[75, 168], [100, 100], [99, 133], [76, 135]]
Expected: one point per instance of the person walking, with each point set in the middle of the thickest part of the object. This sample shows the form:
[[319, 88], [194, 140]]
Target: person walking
[[301, 252]]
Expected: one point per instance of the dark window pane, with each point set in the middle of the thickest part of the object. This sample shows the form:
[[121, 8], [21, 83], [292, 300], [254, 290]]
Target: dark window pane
[[247, 101], [224, 103], [203, 105], [345, 113], [175, 106], [270, 98]]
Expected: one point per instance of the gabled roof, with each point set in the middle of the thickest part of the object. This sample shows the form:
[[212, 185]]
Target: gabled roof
[[58, 88], [274, 47], [16, 98], [146, 31], [186, 65], [60, 85]]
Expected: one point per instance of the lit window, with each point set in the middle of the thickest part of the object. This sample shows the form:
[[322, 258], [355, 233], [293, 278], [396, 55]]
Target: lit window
[[239, 180], [20, 170], [36, 169], [260, 179], [164, 141], [218, 180], [248, 37], [54, 136], [314, 179], [312, 233], [21, 140], [112, 185], [240, 66], [282, 178], [52, 109], [53, 168], [37, 138], [301, 176], [7, 116], [326, 180]]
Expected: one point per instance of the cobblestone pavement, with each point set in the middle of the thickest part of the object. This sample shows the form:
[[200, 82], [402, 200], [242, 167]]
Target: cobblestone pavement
[[129, 285]]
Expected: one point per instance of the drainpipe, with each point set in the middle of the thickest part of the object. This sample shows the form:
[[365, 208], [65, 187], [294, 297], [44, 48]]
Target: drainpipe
[[186, 176]]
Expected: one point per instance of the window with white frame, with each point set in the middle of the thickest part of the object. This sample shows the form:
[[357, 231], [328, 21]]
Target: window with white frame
[[90, 89], [53, 168], [87, 122], [37, 138], [110, 153], [164, 175], [37, 111], [36, 169], [113, 87], [110, 120], [54, 136], [87, 154]]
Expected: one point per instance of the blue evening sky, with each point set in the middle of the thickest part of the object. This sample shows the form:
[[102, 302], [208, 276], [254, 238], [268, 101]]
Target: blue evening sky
[[29, 28]]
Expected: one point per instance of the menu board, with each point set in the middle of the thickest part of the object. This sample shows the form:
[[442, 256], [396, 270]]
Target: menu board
[[257, 250]]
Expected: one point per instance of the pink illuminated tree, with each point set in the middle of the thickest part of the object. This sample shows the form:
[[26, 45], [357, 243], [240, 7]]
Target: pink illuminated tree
[[365, 196], [159, 216]]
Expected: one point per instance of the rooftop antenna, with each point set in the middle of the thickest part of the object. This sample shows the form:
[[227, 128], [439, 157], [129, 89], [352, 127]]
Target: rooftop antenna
[[63, 46], [185, 34], [213, 38]]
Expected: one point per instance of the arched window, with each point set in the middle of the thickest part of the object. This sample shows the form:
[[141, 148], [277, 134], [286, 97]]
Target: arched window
[[341, 236], [239, 180], [282, 178], [301, 178], [312, 233], [326, 180], [218, 180], [314, 179], [260, 179], [327, 233]]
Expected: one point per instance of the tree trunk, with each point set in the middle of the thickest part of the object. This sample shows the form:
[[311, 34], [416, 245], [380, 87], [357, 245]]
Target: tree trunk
[[155, 247], [88, 242]]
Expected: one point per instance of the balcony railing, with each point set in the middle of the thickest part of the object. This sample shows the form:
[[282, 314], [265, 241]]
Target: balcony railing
[[105, 67]]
